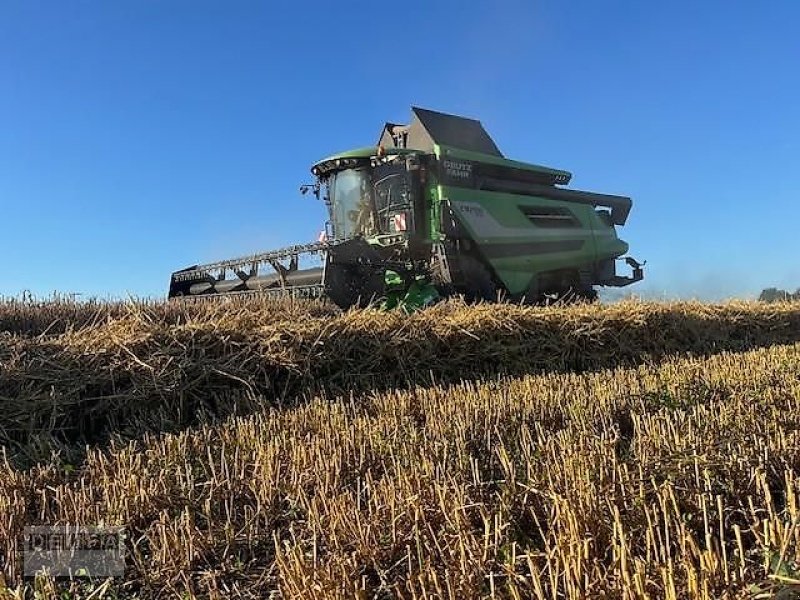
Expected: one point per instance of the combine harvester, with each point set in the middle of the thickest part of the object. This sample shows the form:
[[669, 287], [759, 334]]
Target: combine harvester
[[435, 210]]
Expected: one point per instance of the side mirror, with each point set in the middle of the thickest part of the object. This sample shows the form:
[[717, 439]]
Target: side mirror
[[310, 187]]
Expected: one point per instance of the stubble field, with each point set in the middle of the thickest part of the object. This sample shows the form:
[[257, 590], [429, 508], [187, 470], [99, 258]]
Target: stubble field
[[284, 449]]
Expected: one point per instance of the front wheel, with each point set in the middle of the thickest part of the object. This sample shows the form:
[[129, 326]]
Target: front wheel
[[478, 282]]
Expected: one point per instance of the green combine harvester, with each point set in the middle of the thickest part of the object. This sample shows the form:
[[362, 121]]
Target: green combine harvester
[[434, 210]]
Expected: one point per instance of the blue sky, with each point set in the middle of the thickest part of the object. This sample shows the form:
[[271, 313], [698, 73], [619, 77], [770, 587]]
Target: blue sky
[[141, 136]]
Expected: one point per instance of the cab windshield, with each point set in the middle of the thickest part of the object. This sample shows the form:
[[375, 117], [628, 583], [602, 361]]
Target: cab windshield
[[351, 205]]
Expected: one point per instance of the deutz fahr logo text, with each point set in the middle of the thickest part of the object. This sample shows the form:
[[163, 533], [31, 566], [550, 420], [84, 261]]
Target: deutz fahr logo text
[[458, 170]]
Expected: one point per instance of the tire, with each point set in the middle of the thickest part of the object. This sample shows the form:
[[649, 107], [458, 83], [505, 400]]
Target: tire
[[574, 295], [478, 282], [569, 295], [588, 295]]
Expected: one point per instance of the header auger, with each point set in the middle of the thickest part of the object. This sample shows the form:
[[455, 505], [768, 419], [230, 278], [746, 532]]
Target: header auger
[[433, 210]]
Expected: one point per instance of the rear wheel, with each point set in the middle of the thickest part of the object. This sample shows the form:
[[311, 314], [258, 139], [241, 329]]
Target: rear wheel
[[588, 295], [572, 295]]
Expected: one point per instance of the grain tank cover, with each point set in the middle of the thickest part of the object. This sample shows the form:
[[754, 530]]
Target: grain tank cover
[[429, 127]]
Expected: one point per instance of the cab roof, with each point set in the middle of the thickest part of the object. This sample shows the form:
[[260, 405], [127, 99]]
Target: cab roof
[[353, 157]]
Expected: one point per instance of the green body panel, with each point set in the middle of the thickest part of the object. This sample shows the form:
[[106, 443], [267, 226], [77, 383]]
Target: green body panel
[[447, 152], [494, 221]]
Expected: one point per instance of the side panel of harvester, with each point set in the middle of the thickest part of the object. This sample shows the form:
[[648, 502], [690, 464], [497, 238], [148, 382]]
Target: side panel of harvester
[[531, 229], [524, 236]]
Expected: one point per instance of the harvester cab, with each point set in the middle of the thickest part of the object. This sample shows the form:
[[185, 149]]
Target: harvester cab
[[377, 221], [436, 202], [371, 196]]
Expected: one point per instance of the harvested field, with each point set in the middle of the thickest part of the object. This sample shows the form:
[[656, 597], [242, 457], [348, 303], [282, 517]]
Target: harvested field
[[132, 368], [633, 450]]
